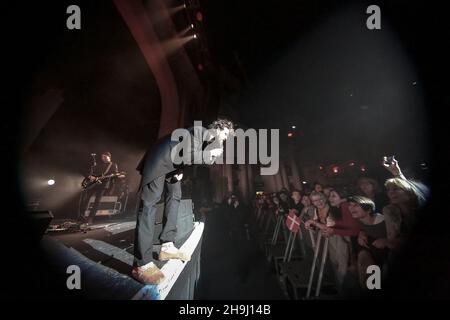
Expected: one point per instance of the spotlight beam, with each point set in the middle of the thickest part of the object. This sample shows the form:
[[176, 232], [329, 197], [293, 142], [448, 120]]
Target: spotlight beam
[[184, 32], [173, 45], [176, 9]]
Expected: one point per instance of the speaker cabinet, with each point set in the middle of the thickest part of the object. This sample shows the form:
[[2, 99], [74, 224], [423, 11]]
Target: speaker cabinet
[[39, 222]]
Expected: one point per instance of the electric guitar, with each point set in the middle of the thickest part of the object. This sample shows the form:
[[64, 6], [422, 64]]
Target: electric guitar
[[88, 183]]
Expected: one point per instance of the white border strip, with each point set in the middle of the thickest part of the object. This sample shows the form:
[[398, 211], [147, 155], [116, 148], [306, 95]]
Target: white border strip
[[173, 268]]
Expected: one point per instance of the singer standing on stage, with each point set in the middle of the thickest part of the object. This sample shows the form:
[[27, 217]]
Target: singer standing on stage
[[158, 171]]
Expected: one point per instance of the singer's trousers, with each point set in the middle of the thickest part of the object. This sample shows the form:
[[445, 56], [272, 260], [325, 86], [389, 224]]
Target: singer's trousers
[[145, 225]]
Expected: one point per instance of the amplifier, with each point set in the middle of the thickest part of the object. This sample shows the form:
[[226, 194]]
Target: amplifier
[[39, 221], [109, 205]]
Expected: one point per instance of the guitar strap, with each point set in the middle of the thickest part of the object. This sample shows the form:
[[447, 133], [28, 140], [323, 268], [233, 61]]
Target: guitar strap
[[107, 169]]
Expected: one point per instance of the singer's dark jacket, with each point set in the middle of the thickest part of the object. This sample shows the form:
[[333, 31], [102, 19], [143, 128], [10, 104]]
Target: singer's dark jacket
[[157, 160]]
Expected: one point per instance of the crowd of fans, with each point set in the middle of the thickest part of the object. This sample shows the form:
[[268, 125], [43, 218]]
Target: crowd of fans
[[365, 224]]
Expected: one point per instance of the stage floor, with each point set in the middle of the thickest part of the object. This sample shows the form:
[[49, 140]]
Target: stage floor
[[106, 249], [222, 268]]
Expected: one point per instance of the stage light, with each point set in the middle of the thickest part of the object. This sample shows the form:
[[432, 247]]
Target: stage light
[[320, 167], [304, 182], [293, 127], [363, 168], [192, 26], [351, 164], [335, 169], [51, 182], [290, 135], [195, 36]]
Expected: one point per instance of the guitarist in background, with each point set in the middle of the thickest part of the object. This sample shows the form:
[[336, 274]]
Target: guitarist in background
[[106, 187]]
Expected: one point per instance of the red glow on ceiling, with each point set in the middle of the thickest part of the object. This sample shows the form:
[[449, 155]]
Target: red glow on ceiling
[[199, 16]]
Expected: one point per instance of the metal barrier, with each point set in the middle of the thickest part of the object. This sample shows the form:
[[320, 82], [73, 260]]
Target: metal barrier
[[322, 265], [277, 230]]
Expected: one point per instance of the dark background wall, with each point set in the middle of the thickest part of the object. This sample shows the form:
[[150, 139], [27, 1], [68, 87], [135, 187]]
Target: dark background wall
[[108, 100]]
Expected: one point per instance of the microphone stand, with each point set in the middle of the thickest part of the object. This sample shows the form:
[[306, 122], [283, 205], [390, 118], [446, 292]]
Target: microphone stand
[[83, 192], [94, 163]]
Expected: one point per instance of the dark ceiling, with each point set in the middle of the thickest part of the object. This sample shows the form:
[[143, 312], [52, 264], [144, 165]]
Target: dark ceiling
[[352, 93]]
